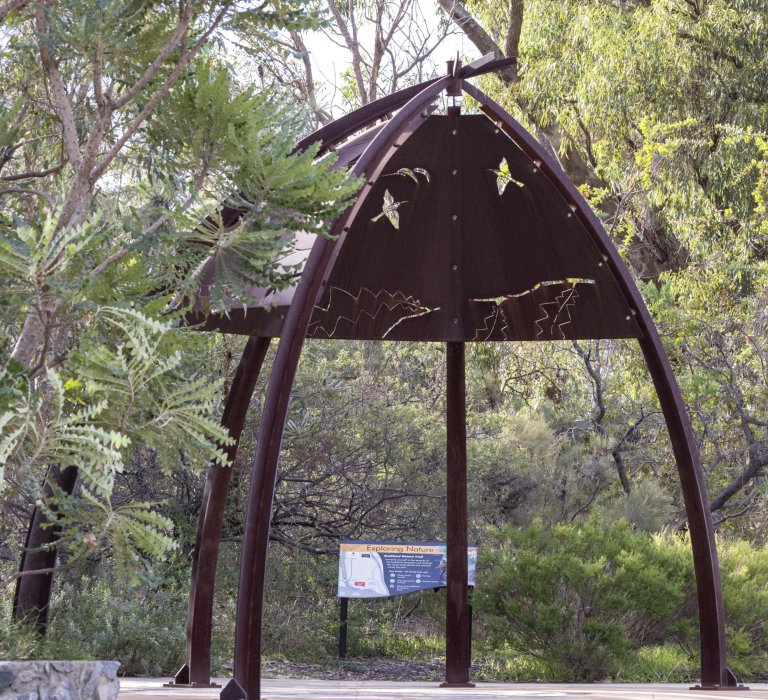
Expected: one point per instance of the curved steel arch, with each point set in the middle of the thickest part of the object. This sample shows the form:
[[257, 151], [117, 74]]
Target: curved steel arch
[[246, 682], [197, 669], [714, 671]]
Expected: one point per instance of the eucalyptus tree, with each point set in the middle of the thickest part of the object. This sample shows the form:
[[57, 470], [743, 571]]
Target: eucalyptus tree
[[381, 46], [123, 126], [657, 110]]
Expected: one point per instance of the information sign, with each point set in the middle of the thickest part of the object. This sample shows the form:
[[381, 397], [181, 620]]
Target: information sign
[[381, 569]]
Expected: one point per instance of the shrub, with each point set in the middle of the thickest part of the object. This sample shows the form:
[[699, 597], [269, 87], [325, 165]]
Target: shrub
[[580, 597], [142, 627], [744, 571]]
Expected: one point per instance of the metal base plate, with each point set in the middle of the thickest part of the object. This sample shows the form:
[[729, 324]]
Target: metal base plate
[[716, 688], [457, 685], [191, 685]]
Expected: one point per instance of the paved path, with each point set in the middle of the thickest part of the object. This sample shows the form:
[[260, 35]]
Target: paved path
[[152, 689]]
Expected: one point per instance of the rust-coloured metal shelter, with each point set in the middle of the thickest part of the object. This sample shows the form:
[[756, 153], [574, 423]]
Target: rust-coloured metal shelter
[[466, 230]]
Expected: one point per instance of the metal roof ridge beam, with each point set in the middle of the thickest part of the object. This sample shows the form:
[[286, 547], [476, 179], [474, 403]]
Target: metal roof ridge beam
[[339, 129]]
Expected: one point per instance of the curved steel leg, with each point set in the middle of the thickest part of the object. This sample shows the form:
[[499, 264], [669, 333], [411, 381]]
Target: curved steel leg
[[714, 672], [246, 683], [197, 670], [33, 591]]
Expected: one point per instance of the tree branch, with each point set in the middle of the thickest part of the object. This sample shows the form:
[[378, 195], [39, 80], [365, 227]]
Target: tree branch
[[277, 537], [161, 92], [352, 45], [149, 73], [122, 252], [477, 35], [28, 190], [598, 401], [61, 103], [470, 26], [11, 6], [32, 174], [512, 41], [754, 466]]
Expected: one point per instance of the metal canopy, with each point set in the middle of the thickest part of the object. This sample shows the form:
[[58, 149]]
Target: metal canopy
[[478, 246], [467, 263]]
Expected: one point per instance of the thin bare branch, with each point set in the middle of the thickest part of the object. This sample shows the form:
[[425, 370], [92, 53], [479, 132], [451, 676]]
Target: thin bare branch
[[33, 174], [350, 39], [28, 190], [754, 467], [61, 102], [11, 6], [598, 400], [160, 93]]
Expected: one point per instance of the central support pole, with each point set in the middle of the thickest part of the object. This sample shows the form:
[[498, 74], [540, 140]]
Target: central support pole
[[457, 659]]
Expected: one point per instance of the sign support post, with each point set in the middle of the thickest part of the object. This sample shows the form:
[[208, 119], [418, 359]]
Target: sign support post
[[343, 616]]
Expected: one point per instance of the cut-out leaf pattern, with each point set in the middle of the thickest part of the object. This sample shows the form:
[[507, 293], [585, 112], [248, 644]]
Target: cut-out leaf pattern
[[504, 177], [367, 313], [551, 325], [389, 209]]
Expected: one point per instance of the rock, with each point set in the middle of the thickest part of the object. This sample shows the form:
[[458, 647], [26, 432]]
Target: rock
[[6, 678], [59, 680]]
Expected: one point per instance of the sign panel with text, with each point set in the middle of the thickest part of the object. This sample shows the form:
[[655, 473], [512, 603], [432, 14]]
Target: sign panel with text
[[380, 569]]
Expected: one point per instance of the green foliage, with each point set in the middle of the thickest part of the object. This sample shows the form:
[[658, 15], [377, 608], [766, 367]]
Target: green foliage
[[669, 663], [246, 140], [9, 132], [117, 393], [647, 507], [35, 256], [142, 627], [19, 642], [744, 570], [591, 601], [580, 597], [301, 612], [107, 241]]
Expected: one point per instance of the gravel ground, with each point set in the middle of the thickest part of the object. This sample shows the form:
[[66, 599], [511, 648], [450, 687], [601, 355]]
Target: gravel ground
[[358, 669]]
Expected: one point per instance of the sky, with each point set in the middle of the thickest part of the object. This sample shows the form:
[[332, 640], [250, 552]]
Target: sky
[[329, 61]]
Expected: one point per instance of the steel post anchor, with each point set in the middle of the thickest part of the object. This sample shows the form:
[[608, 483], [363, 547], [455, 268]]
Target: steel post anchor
[[233, 691], [731, 684]]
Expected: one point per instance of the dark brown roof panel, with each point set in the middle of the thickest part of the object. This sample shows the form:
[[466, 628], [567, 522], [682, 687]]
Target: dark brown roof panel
[[462, 237], [442, 251]]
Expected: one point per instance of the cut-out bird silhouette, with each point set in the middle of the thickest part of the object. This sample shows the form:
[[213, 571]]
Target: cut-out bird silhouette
[[504, 177], [389, 209]]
